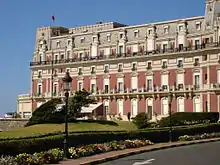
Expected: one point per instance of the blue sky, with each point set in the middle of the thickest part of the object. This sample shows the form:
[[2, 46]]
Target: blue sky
[[20, 18]]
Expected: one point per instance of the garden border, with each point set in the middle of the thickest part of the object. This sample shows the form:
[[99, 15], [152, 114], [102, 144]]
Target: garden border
[[105, 158]]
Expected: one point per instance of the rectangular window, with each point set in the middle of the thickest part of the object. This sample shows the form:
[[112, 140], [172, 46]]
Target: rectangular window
[[93, 88], [198, 26], [164, 64], [121, 50], [93, 39], [80, 71], [134, 67], [197, 81], [149, 65], [165, 47], [180, 28], [39, 74], [106, 89], [136, 34], [93, 70], [121, 35], [180, 64], [80, 86], [58, 44], [120, 69], [106, 70], [120, 86], [197, 42], [180, 80], [150, 32], [166, 30], [149, 84], [68, 42], [134, 83], [39, 89], [164, 81], [108, 37], [196, 63], [55, 90], [82, 40]]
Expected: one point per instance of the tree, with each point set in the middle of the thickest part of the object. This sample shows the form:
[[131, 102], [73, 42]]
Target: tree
[[47, 113], [141, 120], [79, 100]]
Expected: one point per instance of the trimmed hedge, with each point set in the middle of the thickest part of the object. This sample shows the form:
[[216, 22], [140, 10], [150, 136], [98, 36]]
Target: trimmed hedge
[[14, 147], [190, 118]]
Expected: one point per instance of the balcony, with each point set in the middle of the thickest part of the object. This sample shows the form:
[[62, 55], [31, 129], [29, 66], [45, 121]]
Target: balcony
[[156, 91], [125, 55]]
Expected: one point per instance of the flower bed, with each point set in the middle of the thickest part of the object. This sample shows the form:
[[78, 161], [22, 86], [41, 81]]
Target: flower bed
[[56, 155], [198, 137]]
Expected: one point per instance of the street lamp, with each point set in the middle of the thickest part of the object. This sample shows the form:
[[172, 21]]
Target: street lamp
[[170, 127], [66, 87]]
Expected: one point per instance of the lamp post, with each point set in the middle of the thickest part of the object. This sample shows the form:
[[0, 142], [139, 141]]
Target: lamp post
[[170, 127], [66, 87]]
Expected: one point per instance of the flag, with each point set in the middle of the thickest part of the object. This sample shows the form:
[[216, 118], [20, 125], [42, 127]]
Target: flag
[[53, 18]]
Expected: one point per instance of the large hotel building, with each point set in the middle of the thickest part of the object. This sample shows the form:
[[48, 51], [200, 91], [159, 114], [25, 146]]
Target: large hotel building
[[132, 68]]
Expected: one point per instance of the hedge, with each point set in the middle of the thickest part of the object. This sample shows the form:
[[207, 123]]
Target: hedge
[[190, 118], [14, 147]]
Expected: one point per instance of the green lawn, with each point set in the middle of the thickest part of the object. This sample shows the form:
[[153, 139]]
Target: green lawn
[[81, 126]]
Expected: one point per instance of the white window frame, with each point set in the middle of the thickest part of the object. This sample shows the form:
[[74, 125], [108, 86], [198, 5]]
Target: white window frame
[[108, 36], [134, 112], [180, 27], [58, 44], [121, 33], [136, 33], [218, 76], [165, 100], [121, 65], [134, 86], [183, 78], [198, 23], [150, 31], [80, 81], [41, 90], [120, 105], [166, 81], [194, 104], [149, 78], [200, 78], [178, 104], [82, 40], [166, 29]]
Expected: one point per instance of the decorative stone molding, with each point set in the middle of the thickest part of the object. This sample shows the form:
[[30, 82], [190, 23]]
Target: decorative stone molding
[[92, 77], [120, 75], [196, 70], [134, 74], [149, 73], [180, 71], [80, 77], [164, 72]]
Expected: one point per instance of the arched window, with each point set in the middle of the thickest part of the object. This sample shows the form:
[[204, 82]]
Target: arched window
[[120, 107], [165, 108], [181, 107], [134, 108], [197, 107]]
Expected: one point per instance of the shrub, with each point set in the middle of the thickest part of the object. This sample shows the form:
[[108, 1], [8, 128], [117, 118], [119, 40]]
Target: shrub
[[15, 147], [141, 120], [7, 160], [189, 118], [47, 113]]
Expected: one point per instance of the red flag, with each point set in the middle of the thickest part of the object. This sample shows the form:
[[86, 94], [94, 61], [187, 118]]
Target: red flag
[[53, 18]]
